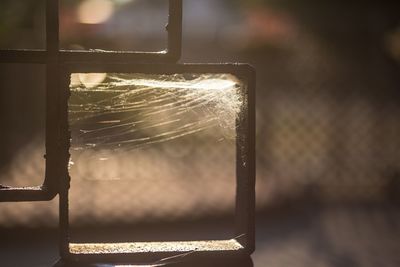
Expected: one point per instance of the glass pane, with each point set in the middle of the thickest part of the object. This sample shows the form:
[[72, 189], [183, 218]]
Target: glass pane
[[22, 114], [22, 24], [153, 148], [120, 25]]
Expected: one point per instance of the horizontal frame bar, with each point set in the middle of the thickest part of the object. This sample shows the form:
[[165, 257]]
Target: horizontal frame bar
[[16, 194], [23, 56], [70, 56], [241, 70]]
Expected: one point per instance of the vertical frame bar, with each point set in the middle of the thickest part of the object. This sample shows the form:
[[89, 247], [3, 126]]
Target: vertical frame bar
[[245, 165], [174, 29], [52, 145], [52, 28]]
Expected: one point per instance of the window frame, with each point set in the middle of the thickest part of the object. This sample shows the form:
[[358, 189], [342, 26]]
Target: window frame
[[245, 156]]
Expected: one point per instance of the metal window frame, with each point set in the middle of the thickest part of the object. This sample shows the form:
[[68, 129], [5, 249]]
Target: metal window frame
[[245, 158], [53, 58]]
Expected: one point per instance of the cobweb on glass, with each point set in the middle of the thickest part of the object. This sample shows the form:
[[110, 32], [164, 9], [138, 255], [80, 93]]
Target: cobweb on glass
[[135, 110], [155, 143]]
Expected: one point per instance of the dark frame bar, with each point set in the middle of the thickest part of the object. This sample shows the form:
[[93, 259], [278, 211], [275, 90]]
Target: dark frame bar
[[245, 160], [23, 56]]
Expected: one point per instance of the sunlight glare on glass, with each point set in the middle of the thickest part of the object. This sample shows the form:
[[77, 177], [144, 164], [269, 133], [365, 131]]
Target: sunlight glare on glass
[[198, 84], [95, 11]]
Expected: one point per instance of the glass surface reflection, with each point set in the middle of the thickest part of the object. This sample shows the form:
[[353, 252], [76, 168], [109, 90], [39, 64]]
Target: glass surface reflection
[[144, 132]]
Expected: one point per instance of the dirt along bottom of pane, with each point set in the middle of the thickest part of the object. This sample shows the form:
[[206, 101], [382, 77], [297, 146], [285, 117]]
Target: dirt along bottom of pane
[[153, 158], [145, 247]]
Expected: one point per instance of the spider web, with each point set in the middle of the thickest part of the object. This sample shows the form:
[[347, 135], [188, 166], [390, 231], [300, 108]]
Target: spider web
[[135, 110], [150, 133]]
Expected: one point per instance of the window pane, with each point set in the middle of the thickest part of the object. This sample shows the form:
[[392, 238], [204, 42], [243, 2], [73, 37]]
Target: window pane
[[151, 148], [22, 113], [22, 24], [123, 25]]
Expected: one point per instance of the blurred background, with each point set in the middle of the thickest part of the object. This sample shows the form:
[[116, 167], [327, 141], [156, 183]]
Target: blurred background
[[328, 127]]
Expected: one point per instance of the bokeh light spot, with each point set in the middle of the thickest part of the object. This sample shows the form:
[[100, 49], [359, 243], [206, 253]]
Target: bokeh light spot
[[95, 11]]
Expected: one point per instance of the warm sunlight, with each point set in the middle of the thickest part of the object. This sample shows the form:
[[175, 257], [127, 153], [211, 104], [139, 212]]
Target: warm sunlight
[[95, 11]]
